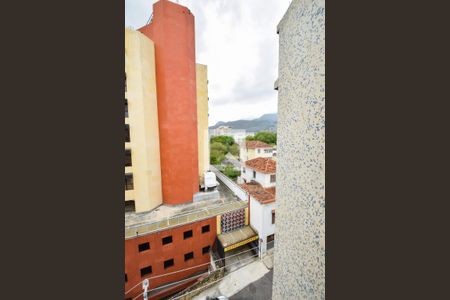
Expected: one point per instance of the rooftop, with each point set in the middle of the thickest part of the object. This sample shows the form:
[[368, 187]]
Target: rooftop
[[257, 144], [167, 216], [263, 195], [262, 164], [236, 236]]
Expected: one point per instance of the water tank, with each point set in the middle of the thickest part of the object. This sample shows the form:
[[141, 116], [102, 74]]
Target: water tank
[[210, 179]]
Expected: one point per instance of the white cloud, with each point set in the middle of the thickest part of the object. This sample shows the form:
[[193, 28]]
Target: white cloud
[[237, 40]]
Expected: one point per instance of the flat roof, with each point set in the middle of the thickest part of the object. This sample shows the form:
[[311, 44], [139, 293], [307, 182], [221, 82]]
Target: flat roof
[[167, 216]]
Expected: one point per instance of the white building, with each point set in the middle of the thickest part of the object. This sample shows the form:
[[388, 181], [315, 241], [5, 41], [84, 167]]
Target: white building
[[254, 149], [259, 181], [261, 170], [238, 135]]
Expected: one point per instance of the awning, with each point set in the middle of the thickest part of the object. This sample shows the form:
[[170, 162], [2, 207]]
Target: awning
[[237, 238]]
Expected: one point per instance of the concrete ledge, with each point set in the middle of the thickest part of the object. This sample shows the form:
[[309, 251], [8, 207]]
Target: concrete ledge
[[203, 196]]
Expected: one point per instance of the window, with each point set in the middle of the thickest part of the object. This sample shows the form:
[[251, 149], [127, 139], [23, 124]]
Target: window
[[144, 246], [205, 228], [272, 178], [126, 108], [146, 270], [259, 150], [206, 249], [127, 133], [188, 256], [167, 240], [273, 216], [254, 174], [187, 234], [168, 263], [129, 182], [126, 277], [267, 150], [127, 158], [243, 170], [129, 206]]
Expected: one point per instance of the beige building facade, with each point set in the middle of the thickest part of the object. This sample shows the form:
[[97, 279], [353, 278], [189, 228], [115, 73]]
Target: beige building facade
[[142, 152], [202, 120]]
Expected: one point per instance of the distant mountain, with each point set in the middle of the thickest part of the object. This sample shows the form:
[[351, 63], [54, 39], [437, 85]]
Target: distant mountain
[[266, 122]]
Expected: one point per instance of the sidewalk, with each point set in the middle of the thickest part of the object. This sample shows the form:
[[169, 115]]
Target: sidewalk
[[242, 278], [235, 281]]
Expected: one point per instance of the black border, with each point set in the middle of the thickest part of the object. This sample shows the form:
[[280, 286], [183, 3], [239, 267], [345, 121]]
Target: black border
[[386, 217], [63, 65]]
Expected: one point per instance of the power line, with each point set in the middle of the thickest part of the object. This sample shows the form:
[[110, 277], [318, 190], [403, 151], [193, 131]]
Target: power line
[[185, 269], [190, 278]]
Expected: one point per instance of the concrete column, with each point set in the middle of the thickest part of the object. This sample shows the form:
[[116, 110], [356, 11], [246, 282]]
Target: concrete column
[[299, 257]]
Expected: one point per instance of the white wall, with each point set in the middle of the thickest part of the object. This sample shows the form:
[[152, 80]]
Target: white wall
[[261, 178], [261, 220]]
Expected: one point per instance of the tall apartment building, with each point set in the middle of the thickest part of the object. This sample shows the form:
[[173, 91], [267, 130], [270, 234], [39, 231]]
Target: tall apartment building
[[172, 228], [202, 119], [299, 257], [143, 189]]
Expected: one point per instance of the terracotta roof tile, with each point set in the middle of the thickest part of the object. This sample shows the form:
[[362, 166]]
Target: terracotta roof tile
[[262, 164], [259, 193], [257, 144]]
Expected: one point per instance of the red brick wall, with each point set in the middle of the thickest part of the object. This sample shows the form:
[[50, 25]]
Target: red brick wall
[[172, 31], [158, 253]]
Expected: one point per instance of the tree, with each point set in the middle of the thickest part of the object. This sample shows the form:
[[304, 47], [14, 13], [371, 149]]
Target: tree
[[230, 172], [219, 147], [216, 157], [223, 139], [234, 149], [266, 137], [250, 138]]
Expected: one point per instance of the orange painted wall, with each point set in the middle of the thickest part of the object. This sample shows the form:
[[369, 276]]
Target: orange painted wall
[[158, 253], [172, 31]]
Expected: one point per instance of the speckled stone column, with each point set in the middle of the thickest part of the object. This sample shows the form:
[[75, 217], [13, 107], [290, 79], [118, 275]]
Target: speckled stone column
[[299, 261]]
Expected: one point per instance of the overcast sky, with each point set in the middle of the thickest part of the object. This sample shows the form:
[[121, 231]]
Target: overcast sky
[[237, 40]]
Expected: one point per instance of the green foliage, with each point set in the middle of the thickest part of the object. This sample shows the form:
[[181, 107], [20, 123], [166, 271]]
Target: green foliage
[[250, 138], [216, 157], [219, 147], [223, 139], [234, 149], [231, 173], [266, 137]]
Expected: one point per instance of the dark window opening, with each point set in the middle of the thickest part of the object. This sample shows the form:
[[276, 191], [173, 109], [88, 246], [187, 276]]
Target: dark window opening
[[168, 263], [187, 234], [129, 182], [254, 174], [126, 108], [127, 158], [272, 178], [129, 206], [146, 270], [167, 240], [144, 246], [188, 256], [205, 228], [126, 277], [206, 249], [127, 133], [273, 217]]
